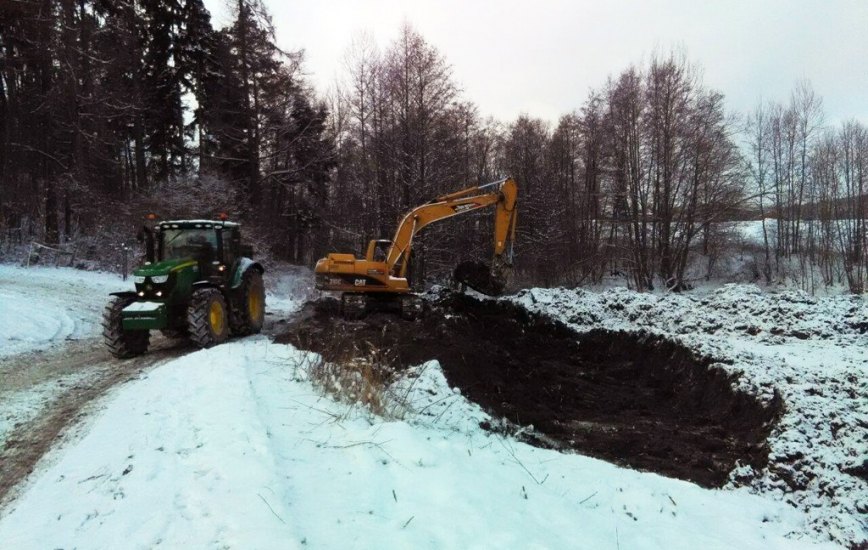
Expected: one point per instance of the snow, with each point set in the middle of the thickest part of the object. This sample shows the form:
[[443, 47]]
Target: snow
[[236, 447], [813, 352], [143, 307], [287, 287], [232, 447], [46, 308], [43, 306], [751, 232]]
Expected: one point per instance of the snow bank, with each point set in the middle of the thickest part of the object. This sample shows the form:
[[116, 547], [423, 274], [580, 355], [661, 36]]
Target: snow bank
[[231, 447], [812, 351]]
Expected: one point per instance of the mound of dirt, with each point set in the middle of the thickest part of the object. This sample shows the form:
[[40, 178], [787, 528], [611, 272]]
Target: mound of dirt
[[631, 398]]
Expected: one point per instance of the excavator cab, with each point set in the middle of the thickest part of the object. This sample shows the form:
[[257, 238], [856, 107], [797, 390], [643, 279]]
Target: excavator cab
[[378, 250]]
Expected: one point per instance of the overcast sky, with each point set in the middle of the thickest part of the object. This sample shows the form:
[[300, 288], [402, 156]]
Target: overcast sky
[[541, 57]]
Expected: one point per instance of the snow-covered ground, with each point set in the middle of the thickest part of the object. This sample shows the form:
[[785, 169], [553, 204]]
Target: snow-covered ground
[[812, 351], [49, 313], [232, 448], [45, 306]]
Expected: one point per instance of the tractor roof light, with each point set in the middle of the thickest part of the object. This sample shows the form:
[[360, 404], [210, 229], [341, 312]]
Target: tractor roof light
[[223, 216]]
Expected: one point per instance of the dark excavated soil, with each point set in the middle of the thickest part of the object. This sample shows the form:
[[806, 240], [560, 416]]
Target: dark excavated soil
[[631, 398]]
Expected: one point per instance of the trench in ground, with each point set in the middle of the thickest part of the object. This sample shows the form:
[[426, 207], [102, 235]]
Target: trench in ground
[[635, 399]]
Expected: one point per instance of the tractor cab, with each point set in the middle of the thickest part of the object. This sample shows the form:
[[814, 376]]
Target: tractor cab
[[213, 245]]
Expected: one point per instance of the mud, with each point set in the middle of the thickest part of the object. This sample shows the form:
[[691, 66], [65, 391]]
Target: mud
[[634, 399]]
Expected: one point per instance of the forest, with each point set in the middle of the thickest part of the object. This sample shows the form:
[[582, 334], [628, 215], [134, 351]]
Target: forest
[[111, 109]]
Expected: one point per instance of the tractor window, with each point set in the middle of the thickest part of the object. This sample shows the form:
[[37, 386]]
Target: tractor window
[[189, 243], [231, 244]]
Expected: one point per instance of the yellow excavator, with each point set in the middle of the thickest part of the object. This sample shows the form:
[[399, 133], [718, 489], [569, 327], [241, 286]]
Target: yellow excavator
[[381, 276]]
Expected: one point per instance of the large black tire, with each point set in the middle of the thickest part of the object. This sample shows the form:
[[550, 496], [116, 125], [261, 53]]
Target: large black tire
[[208, 318], [122, 343], [248, 312]]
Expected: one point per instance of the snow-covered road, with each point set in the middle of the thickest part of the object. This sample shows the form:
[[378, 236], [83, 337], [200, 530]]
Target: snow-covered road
[[53, 365], [50, 326], [46, 306]]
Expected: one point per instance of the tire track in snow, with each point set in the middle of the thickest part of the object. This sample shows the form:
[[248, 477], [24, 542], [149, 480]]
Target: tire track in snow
[[72, 378], [83, 372]]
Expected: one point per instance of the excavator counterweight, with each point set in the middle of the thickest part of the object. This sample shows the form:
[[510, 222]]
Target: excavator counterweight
[[383, 278]]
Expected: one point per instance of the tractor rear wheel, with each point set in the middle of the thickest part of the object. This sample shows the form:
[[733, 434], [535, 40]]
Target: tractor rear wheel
[[208, 318], [122, 343], [248, 313]]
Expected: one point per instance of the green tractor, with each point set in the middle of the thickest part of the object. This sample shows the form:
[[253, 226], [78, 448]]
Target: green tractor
[[198, 282]]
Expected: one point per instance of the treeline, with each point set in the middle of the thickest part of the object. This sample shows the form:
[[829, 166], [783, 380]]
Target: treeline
[[629, 183], [645, 180], [811, 184], [112, 108]]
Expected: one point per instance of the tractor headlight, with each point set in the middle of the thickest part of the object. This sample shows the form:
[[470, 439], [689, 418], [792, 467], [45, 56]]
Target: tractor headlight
[[160, 279], [139, 280]]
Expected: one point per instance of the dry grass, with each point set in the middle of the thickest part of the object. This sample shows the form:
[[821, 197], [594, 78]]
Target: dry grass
[[353, 373]]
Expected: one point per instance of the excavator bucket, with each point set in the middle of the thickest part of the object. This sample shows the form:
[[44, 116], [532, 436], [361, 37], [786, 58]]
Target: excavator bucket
[[480, 277]]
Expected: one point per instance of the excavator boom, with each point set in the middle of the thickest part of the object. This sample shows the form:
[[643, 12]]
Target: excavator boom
[[500, 193]]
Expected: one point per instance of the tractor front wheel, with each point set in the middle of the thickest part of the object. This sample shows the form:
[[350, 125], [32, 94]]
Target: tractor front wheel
[[122, 343], [248, 315], [208, 318]]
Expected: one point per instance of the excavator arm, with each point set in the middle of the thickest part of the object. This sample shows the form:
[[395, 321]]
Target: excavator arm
[[500, 193], [373, 280]]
